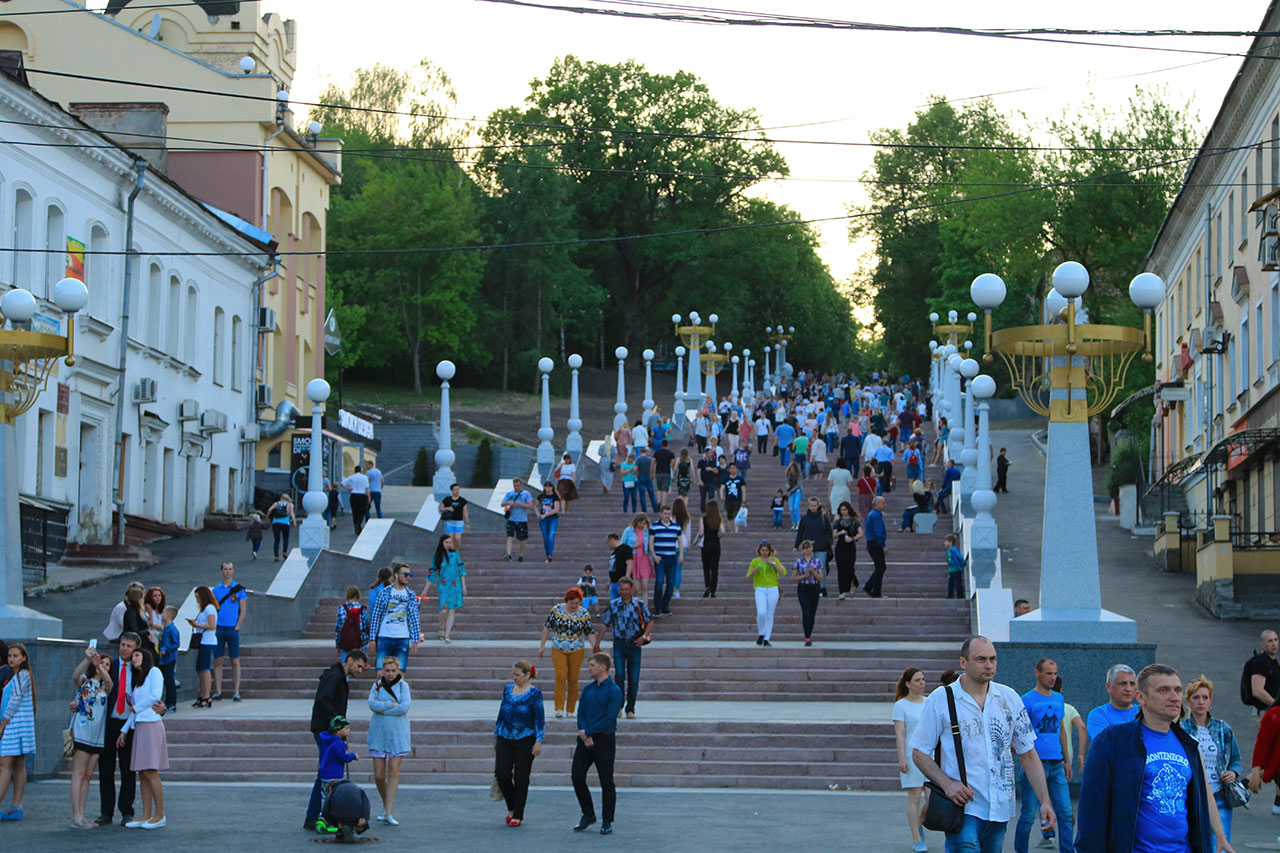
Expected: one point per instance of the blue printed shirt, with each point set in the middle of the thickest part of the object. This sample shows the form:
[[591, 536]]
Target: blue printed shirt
[[521, 716]]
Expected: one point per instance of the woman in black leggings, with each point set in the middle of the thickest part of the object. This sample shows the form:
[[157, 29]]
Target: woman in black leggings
[[282, 520], [709, 533], [808, 580]]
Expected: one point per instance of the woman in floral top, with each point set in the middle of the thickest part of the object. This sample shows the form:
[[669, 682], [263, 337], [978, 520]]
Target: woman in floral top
[[88, 728], [569, 627], [808, 580], [517, 738]]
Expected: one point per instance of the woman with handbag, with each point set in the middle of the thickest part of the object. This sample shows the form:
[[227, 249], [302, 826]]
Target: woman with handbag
[[517, 738], [1218, 748], [88, 730], [566, 478], [908, 704]]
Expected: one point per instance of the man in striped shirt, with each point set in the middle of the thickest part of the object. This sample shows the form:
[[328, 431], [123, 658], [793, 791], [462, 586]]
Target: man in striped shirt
[[666, 548]]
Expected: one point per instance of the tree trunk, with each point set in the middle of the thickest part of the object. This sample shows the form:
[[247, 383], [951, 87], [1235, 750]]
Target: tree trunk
[[415, 348], [506, 347]]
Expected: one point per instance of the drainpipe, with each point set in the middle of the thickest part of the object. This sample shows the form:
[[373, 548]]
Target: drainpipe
[[1209, 364], [140, 168], [251, 449]]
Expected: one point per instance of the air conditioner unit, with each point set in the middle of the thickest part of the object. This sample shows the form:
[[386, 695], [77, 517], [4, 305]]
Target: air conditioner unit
[[267, 319], [189, 410], [1213, 339], [1271, 221], [262, 397], [250, 433], [213, 421], [145, 391], [1269, 253]]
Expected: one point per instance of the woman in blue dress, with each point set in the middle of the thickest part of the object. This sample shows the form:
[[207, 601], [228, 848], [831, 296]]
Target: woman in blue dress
[[17, 729], [450, 577]]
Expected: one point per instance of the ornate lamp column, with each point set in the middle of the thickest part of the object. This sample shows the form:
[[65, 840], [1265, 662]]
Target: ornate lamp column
[[733, 388], [546, 451], [694, 336], [677, 407], [955, 410], [313, 534], [984, 537], [443, 477], [764, 378], [27, 359], [969, 453], [711, 368], [620, 407], [1087, 368], [648, 403], [573, 442]]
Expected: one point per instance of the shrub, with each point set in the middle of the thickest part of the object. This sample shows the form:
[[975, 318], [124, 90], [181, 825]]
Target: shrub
[[474, 435], [422, 468], [482, 476], [1126, 468]]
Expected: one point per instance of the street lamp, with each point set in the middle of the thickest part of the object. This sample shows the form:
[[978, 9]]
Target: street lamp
[[968, 454], [546, 452], [443, 478], [27, 358], [313, 534], [677, 407], [647, 355], [573, 442], [694, 335], [620, 407], [1068, 371], [984, 537], [764, 377]]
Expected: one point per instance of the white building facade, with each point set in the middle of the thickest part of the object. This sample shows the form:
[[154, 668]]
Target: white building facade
[[187, 393]]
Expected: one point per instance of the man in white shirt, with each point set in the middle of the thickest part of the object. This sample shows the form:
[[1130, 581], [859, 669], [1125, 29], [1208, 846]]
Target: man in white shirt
[[358, 485], [639, 436], [992, 721]]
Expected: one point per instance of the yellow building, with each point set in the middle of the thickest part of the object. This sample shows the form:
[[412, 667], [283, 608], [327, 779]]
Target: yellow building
[[230, 142], [1216, 435]]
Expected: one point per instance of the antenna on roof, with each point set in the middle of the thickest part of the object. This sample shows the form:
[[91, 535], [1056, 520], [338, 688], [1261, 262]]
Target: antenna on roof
[[154, 32]]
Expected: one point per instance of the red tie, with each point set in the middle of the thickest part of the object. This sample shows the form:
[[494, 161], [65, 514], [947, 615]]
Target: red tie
[[120, 689]]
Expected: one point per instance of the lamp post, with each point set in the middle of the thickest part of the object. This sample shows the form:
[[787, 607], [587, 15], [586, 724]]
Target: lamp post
[[694, 335], [443, 477], [934, 392], [764, 376], [546, 451], [620, 407], [1087, 364], [313, 534], [733, 388], [647, 355], [984, 538], [27, 358], [955, 410], [748, 378], [573, 442], [711, 362], [969, 453], [677, 407]]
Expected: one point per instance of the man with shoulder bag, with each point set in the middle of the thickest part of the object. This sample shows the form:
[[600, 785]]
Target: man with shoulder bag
[[964, 746]]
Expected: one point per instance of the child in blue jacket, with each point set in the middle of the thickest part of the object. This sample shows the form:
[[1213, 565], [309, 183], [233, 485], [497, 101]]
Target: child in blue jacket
[[334, 759]]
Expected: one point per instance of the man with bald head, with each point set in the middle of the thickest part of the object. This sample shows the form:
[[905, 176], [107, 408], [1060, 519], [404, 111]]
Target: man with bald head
[[994, 725], [1264, 684]]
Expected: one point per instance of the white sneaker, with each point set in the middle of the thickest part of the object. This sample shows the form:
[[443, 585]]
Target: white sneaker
[[1275, 809], [155, 824], [559, 712], [382, 817], [675, 594], [392, 821], [1047, 843]]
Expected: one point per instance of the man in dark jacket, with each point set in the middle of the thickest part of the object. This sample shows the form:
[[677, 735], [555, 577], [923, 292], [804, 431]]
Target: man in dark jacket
[[816, 527], [1144, 783], [330, 702]]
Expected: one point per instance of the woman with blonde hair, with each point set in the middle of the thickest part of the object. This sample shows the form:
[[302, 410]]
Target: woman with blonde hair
[[1217, 742], [389, 743], [765, 571], [637, 536], [908, 705], [282, 520]]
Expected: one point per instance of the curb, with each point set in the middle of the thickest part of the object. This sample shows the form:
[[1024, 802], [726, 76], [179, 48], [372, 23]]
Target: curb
[[48, 589]]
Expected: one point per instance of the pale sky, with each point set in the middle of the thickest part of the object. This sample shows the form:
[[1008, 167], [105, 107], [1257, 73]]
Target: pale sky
[[864, 81]]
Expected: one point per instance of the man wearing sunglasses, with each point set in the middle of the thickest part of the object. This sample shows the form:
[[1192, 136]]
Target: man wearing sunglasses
[[393, 619]]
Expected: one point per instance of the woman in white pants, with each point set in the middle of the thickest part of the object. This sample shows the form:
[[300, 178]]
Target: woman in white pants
[[765, 571]]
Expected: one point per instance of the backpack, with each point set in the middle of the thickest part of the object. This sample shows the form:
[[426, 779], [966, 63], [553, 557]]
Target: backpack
[[349, 638], [1246, 685], [280, 511]]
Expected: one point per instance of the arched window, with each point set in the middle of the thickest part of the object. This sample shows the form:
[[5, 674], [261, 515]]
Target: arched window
[[189, 339], [97, 273], [154, 307], [23, 238], [55, 242], [219, 346], [237, 356], [173, 330]]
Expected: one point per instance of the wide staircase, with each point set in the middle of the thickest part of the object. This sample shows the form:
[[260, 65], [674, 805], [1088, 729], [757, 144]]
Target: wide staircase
[[714, 709]]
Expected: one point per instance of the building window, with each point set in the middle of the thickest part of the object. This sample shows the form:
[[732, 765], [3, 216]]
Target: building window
[[1261, 340], [1258, 192], [219, 346], [189, 341], [1231, 224], [1244, 206], [1275, 322], [173, 334], [23, 238], [237, 360], [1199, 279], [1244, 350], [1275, 152], [1217, 249], [97, 272], [155, 306], [1231, 370], [55, 242]]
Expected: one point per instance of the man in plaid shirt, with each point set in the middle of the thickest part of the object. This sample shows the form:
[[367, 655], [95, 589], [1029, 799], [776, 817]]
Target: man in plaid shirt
[[629, 620]]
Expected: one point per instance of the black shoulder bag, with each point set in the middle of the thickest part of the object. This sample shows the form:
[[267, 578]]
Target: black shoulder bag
[[941, 814]]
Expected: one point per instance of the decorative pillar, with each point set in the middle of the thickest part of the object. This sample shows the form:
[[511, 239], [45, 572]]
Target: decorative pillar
[[712, 398], [764, 377], [969, 454], [693, 388], [647, 355], [313, 535], [573, 442], [984, 538], [443, 477], [620, 407], [955, 414], [677, 407], [733, 387], [546, 451]]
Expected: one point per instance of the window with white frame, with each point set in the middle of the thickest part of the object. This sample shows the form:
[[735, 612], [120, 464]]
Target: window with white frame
[[23, 238], [189, 342], [219, 346], [1259, 364], [1244, 348], [1217, 249], [1231, 224], [155, 307], [173, 327], [55, 244], [1275, 321], [1231, 371], [237, 356], [97, 273], [1244, 206]]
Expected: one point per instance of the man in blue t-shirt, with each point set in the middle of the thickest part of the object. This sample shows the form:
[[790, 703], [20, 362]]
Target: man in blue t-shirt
[[1047, 710], [1144, 787], [785, 433], [232, 607], [516, 504], [1122, 684]]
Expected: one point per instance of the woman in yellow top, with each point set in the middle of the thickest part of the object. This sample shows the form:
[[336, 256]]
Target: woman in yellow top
[[765, 571]]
